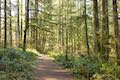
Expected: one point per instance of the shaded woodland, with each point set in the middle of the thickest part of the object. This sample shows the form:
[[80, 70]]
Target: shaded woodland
[[81, 35]]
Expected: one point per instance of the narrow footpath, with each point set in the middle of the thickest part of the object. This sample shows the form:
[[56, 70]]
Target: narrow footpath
[[49, 70]]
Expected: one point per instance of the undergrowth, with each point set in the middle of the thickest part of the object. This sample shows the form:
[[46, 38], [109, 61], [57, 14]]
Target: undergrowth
[[86, 69], [16, 64]]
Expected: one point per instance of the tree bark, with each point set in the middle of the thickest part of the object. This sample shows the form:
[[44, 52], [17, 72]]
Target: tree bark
[[116, 30], [0, 25], [105, 31], [36, 17], [26, 25], [96, 29], [86, 30], [18, 24], [5, 24], [21, 20], [10, 25]]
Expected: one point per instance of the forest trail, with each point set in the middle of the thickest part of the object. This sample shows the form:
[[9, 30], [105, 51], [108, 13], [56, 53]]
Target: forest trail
[[48, 70]]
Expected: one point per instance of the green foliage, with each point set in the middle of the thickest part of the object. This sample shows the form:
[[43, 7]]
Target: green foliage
[[103, 77], [16, 64], [85, 67], [110, 68], [81, 66], [53, 54], [78, 65], [66, 63]]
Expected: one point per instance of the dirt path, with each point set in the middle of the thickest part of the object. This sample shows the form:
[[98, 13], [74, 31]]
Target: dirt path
[[48, 70]]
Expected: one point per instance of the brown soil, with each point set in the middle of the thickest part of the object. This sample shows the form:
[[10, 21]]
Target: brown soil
[[48, 70]]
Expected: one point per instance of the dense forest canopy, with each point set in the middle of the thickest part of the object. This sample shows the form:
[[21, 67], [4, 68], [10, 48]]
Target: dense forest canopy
[[83, 28]]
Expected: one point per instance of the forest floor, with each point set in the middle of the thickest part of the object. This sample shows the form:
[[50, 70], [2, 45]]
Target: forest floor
[[49, 70]]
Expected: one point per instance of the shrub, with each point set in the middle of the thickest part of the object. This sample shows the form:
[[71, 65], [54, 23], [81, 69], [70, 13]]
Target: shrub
[[78, 65], [61, 59], [103, 77], [110, 68], [81, 66], [86, 67], [16, 64]]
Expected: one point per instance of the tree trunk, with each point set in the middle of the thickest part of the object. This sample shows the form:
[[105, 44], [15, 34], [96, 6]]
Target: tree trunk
[[10, 26], [86, 30], [26, 25], [116, 30], [21, 20], [36, 20], [0, 25], [5, 24], [18, 25], [105, 31], [96, 29]]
